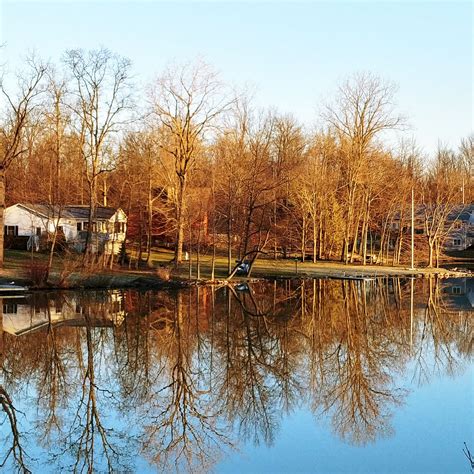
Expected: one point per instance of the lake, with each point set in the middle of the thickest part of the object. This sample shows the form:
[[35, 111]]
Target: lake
[[285, 376]]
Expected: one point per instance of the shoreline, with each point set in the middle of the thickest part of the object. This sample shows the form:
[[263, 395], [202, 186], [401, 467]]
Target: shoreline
[[148, 279]]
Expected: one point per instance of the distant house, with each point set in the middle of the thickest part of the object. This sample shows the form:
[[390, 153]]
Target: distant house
[[459, 226], [34, 220], [461, 235]]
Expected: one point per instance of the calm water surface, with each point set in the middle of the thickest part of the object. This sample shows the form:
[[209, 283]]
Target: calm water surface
[[292, 376]]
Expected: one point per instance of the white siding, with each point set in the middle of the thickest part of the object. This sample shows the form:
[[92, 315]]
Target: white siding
[[26, 221]]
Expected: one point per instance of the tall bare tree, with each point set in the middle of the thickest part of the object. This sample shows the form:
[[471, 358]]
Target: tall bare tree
[[363, 109], [16, 109], [102, 104], [186, 100]]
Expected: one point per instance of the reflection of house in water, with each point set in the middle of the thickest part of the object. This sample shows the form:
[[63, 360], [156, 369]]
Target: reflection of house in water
[[458, 293], [28, 314]]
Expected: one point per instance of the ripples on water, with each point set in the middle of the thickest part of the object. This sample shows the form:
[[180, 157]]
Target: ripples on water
[[208, 378]]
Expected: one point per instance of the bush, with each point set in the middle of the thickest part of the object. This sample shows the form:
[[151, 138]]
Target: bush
[[123, 258], [69, 264], [38, 272], [163, 272], [16, 242]]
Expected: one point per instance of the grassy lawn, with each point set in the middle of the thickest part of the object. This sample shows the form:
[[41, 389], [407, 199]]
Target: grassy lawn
[[265, 267], [17, 264]]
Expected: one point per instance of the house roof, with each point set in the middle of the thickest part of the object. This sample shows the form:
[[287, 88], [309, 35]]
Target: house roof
[[462, 213], [82, 212], [79, 212]]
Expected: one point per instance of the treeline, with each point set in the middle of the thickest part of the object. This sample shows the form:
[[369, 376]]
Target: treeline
[[198, 167]]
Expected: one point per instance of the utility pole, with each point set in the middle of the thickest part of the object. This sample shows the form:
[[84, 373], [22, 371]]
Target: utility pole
[[411, 312], [412, 228]]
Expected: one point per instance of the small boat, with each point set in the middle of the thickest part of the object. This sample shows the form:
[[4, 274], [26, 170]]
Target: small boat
[[242, 287], [12, 288]]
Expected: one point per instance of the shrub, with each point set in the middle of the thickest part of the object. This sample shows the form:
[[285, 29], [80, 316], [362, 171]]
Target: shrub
[[38, 272], [70, 264], [163, 272]]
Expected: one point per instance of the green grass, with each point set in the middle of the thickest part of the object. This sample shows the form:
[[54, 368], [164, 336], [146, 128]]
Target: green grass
[[17, 265], [263, 267]]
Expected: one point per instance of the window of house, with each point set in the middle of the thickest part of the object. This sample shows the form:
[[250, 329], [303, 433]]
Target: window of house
[[456, 290], [457, 242], [79, 226], [10, 308], [10, 230], [119, 227], [60, 229], [38, 231]]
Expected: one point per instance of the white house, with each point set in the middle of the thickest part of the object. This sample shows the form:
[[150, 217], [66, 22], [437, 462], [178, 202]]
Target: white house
[[29, 220]]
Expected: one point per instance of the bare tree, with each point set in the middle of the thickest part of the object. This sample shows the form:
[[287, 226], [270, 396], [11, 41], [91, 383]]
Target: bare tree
[[186, 100], [441, 201], [363, 109], [15, 112], [101, 100], [57, 120]]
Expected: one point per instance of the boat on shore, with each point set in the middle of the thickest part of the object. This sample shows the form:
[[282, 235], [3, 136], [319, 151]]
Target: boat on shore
[[11, 288]]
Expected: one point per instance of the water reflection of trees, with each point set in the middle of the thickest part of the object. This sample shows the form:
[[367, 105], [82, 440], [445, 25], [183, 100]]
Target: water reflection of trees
[[184, 426], [259, 361], [184, 376], [356, 367]]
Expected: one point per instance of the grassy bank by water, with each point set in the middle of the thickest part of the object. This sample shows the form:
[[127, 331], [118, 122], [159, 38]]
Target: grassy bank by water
[[18, 268]]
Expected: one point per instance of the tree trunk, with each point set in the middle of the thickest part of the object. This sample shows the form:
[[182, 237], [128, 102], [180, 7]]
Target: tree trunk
[[149, 222], [437, 252], [315, 239], [430, 258], [2, 210], [178, 251], [382, 239], [229, 241], [364, 242], [365, 227], [198, 255], [275, 233], [51, 251], [321, 236], [303, 239], [92, 206], [355, 237], [213, 261], [140, 240]]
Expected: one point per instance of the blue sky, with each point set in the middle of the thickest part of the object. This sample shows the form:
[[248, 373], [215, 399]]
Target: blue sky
[[292, 54]]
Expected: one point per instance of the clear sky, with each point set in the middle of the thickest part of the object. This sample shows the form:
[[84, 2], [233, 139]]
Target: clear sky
[[292, 53]]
